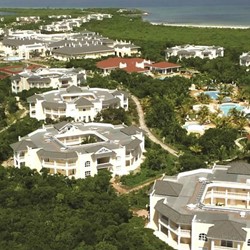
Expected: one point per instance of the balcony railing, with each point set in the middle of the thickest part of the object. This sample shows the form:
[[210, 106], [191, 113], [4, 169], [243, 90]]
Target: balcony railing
[[59, 165], [224, 248], [182, 232], [230, 195]]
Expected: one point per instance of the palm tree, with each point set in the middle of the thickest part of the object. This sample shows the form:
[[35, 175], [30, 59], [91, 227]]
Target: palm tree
[[221, 121], [204, 115], [203, 98]]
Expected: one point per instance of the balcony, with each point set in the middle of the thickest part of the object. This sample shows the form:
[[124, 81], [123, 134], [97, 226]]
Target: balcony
[[106, 165], [228, 195], [56, 165], [181, 232], [224, 248]]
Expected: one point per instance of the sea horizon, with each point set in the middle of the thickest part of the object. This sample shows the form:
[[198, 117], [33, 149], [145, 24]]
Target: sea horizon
[[200, 13]]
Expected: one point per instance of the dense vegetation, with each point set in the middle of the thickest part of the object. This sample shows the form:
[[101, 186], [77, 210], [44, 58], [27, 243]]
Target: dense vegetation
[[154, 39], [53, 212]]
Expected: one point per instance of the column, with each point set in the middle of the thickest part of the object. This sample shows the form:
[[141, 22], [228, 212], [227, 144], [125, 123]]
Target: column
[[212, 196], [247, 200], [212, 244], [226, 198], [238, 246], [55, 169], [67, 169], [179, 237]]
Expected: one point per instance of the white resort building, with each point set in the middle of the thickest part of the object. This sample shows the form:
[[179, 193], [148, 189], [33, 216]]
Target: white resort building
[[203, 209], [80, 103], [245, 59], [80, 150], [188, 51], [47, 78], [63, 46]]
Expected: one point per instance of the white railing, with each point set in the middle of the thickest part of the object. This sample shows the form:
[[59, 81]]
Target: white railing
[[224, 248], [229, 195], [59, 165], [181, 232]]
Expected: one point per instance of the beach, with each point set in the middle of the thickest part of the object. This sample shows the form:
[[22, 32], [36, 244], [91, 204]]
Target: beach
[[201, 25]]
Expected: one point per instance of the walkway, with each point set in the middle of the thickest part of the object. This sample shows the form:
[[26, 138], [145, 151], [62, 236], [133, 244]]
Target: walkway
[[146, 129], [24, 113], [122, 190]]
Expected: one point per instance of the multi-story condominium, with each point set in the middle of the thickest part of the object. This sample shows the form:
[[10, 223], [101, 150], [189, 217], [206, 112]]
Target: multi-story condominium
[[47, 78], [189, 51], [28, 19], [82, 104], [87, 44], [80, 150], [245, 59], [22, 47], [204, 209]]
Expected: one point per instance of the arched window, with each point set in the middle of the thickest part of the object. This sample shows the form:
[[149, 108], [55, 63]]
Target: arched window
[[203, 237], [87, 164], [248, 242]]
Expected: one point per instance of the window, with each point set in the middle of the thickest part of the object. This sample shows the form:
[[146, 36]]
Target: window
[[87, 164], [203, 237], [87, 173], [226, 243], [248, 242]]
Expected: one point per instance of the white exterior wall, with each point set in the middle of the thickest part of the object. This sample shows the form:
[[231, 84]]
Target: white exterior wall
[[198, 228], [81, 167], [32, 160]]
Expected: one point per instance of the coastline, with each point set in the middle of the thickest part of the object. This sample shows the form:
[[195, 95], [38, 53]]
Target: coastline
[[201, 25]]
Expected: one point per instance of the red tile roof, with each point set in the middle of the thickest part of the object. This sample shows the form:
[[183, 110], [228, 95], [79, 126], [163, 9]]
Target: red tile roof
[[165, 65], [112, 63]]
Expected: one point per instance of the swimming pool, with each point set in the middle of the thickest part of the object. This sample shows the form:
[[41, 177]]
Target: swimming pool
[[194, 128], [226, 107], [212, 94]]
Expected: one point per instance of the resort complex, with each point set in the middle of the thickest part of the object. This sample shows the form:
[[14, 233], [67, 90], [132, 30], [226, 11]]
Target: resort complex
[[96, 129], [79, 103], [204, 209], [189, 51], [80, 150], [28, 44]]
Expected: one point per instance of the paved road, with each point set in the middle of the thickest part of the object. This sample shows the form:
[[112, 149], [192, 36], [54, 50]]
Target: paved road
[[146, 129]]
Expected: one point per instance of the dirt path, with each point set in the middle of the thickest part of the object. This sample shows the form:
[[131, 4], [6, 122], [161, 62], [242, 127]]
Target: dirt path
[[146, 129], [122, 190]]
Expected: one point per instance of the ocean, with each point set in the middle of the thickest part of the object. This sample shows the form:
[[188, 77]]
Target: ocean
[[193, 12]]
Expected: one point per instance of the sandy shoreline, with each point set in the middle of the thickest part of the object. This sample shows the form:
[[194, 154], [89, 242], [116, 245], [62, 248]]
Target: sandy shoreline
[[201, 25]]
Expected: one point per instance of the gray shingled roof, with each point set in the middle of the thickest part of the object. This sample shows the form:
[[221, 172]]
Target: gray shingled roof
[[82, 50], [58, 126], [131, 130], [227, 230], [167, 188], [15, 77], [53, 105], [119, 92], [74, 89], [83, 102], [133, 144], [111, 101], [22, 145], [57, 155], [33, 98], [19, 42], [239, 167], [164, 209], [39, 79]]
